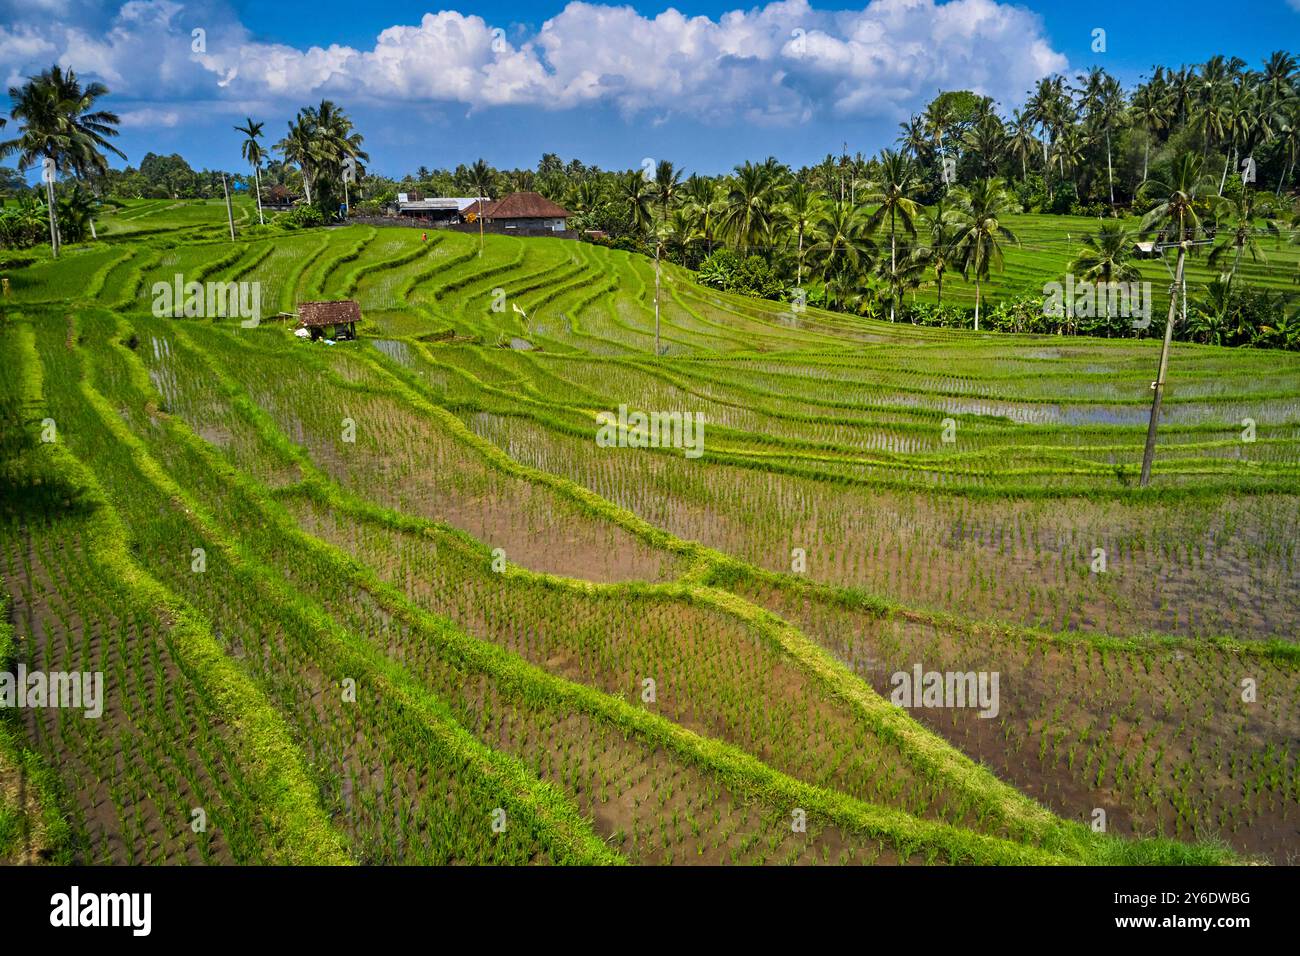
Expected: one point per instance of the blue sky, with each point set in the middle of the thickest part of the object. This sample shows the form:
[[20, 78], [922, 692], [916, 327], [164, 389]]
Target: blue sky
[[704, 84]]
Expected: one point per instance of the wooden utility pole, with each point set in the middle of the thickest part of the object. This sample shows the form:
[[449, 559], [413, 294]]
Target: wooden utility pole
[[230, 215], [1158, 386], [480, 224], [48, 172], [657, 352]]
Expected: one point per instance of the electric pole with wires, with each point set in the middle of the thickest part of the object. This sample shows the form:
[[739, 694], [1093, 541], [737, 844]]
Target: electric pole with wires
[[1177, 295]]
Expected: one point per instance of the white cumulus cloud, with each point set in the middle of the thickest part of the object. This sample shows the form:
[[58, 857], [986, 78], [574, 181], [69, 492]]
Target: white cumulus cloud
[[780, 64]]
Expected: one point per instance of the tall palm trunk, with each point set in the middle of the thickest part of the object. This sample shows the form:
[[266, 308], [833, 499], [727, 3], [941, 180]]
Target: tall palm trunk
[[54, 222], [1223, 180], [893, 265], [977, 301], [1146, 159], [798, 265], [1110, 175], [1158, 386], [257, 180]]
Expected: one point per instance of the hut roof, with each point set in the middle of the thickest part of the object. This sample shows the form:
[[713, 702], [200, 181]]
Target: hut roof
[[317, 314], [526, 205]]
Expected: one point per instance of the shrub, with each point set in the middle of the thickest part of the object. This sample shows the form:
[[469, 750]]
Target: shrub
[[751, 276], [301, 217]]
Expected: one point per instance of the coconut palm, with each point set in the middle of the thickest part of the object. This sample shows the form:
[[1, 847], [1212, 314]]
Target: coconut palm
[[682, 231], [1022, 144], [1278, 78], [585, 198], [894, 190], [635, 195], [252, 152], [1243, 123], [667, 185], [1242, 236], [912, 137], [987, 139], [843, 247], [802, 210], [335, 141], [298, 148], [938, 117], [76, 212], [980, 212], [1102, 104], [901, 273], [704, 206], [1288, 135], [940, 235], [1069, 151], [750, 208], [1105, 259], [482, 179], [58, 122], [1174, 218], [1210, 120], [1049, 106], [1151, 110]]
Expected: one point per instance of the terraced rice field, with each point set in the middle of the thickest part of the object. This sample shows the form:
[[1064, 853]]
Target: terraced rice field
[[391, 601]]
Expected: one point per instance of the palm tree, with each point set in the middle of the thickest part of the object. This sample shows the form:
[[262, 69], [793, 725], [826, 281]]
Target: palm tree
[[1070, 149], [802, 210], [1151, 110], [1175, 219], [894, 187], [76, 212], [1277, 80], [586, 197], [682, 231], [667, 185], [297, 147], [704, 206], [912, 137], [252, 151], [1288, 134], [1021, 143], [900, 273], [1241, 236], [843, 246], [1104, 259], [335, 142], [750, 206], [58, 122], [1050, 108], [482, 178], [1210, 119], [987, 140], [636, 194], [1242, 122], [938, 117], [980, 232], [941, 224]]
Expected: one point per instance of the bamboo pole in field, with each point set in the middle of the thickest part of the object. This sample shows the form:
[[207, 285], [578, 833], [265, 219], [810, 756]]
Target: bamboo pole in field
[[230, 215], [1158, 385]]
